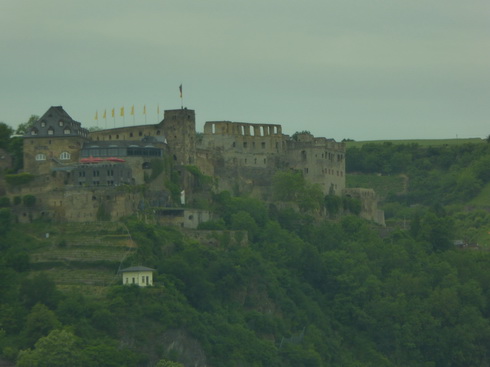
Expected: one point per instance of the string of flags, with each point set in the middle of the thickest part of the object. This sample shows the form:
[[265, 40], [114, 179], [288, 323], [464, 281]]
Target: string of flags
[[131, 113], [122, 112]]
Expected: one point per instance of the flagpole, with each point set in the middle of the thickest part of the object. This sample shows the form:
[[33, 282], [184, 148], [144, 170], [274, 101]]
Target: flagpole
[[181, 97]]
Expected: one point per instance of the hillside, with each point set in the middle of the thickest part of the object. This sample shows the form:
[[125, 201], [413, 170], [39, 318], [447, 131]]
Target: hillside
[[267, 284]]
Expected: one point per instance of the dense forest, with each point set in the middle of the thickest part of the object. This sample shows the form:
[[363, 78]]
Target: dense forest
[[303, 291]]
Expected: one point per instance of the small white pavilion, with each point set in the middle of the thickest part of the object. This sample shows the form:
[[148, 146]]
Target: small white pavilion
[[139, 275]]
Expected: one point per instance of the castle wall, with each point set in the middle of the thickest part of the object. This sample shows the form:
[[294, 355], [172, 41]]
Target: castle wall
[[137, 132], [43, 153], [369, 204], [243, 157], [322, 161], [243, 148]]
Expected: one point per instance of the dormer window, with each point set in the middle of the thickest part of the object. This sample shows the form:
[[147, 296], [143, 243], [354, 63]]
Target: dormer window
[[60, 123], [50, 131], [43, 123], [34, 132], [67, 131]]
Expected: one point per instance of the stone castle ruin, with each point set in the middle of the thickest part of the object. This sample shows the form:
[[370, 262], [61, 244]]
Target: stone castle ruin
[[88, 176]]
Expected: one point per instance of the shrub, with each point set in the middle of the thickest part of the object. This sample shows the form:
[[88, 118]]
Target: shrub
[[29, 200], [19, 179], [4, 202]]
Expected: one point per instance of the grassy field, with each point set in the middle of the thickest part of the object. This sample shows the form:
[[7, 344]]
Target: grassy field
[[423, 142], [79, 254]]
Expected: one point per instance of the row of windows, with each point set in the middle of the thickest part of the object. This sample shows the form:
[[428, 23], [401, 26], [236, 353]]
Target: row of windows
[[60, 123], [249, 130], [96, 173], [131, 135], [328, 171], [122, 152], [66, 131], [63, 156], [144, 280], [235, 160], [96, 183], [262, 145]]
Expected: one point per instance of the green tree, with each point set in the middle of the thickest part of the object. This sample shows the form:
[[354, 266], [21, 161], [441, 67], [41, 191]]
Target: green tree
[[243, 220], [39, 289], [5, 133], [23, 127], [167, 363], [5, 220], [60, 348], [333, 204], [40, 321], [29, 200]]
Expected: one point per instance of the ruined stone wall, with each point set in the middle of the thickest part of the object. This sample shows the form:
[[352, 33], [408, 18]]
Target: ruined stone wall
[[249, 154], [369, 204], [322, 161]]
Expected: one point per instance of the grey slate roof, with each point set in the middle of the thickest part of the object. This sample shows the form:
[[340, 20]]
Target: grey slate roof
[[55, 123], [136, 269]]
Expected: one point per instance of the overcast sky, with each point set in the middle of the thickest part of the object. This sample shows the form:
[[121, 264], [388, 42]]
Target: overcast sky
[[358, 69]]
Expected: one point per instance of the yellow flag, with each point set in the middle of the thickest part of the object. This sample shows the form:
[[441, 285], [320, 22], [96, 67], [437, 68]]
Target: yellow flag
[[96, 118], [132, 110], [122, 111], [104, 115], [113, 112], [144, 110]]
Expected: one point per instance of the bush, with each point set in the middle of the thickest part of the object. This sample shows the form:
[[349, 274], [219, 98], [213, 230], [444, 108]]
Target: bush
[[19, 179], [4, 202], [29, 200]]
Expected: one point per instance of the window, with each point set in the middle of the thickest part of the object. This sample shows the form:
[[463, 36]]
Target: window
[[33, 132], [65, 156], [67, 131], [244, 144], [43, 123], [263, 145], [50, 131], [60, 123], [40, 157]]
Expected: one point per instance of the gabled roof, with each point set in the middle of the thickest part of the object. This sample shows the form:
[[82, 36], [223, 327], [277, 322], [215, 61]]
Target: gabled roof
[[136, 269], [56, 122]]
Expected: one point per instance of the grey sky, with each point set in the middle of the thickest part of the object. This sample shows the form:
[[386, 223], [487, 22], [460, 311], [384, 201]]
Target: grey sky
[[365, 70]]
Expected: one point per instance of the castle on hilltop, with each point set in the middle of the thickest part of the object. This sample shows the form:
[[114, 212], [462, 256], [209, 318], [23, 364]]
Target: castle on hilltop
[[83, 175]]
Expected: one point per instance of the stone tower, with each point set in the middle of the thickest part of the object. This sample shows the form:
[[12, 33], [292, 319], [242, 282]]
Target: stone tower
[[179, 128]]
